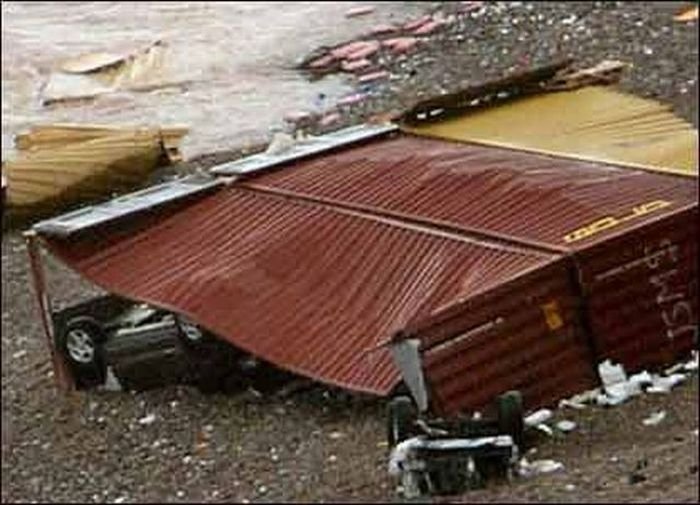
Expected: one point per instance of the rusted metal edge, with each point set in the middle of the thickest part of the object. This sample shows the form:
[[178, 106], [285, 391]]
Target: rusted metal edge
[[129, 204], [515, 85], [62, 376], [253, 165], [403, 220]]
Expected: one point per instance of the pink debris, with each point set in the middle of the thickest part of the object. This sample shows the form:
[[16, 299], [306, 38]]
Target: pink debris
[[427, 28], [383, 29], [400, 44], [344, 50], [359, 11], [351, 66], [347, 49], [412, 25], [322, 62], [328, 119], [374, 76], [369, 49], [352, 99], [470, 6], [293, 117]]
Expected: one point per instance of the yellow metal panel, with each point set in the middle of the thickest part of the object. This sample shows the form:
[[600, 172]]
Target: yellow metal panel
[[594, 123]]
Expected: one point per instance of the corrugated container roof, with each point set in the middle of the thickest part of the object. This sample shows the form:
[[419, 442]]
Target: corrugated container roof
[[306, 287], [535, 199]]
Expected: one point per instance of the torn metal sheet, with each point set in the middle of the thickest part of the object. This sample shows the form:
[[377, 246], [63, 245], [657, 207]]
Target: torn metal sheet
[[305, 287], [60, 166], [601, 124], [91, 75]]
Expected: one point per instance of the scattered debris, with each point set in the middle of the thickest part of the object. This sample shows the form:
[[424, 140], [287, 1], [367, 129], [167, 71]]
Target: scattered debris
[[352, 66], [91, 75], [690, 14], [566, 426], [359, 11], [538, 467], [606, 72], [64, 164], [352, 99], [538, 417], [281, 142], [374, 76], [655, 418], [146, 420], [665, 384]]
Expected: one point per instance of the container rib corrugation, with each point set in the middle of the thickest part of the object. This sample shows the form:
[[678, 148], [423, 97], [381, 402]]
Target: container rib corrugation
[[596, 213], [524, 334], [522, 195], [642, 292], [306, 287]]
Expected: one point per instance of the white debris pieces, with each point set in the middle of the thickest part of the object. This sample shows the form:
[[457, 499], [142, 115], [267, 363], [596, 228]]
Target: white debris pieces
[[111, 382], [618, 388], [538, 467], [665, 384], [566, 426], [655, 418], [400, 454], [146, 420], [538, 419]]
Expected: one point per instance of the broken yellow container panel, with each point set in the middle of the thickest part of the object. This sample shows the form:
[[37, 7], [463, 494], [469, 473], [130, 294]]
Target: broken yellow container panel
[[593, 123], [45, 180]]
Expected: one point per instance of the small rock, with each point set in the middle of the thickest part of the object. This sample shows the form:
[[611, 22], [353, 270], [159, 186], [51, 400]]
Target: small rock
[[180, 494], [262, 489], [332, 458], [335, 435], [654, 418], [570, 487], [19, 354]]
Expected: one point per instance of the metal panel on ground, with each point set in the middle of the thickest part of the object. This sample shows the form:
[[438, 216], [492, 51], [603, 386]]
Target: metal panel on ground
[[521, 335], [303, 286], [596, 212]]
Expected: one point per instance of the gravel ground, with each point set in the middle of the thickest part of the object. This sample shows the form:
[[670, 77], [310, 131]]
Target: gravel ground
[[319, 444]]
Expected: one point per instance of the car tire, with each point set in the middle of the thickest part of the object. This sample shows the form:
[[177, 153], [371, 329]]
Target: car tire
[[80, 342], [401, 417], [510, 416]]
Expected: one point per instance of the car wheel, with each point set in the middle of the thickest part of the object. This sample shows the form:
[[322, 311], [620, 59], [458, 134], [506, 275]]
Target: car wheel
[[510, 416], [401, 416], [80, 342]]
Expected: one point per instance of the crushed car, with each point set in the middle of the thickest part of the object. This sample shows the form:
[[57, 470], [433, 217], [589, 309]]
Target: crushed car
[[140, 346]]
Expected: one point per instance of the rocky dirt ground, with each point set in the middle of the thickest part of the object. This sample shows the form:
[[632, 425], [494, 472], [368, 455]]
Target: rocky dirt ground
[[175, 444]]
